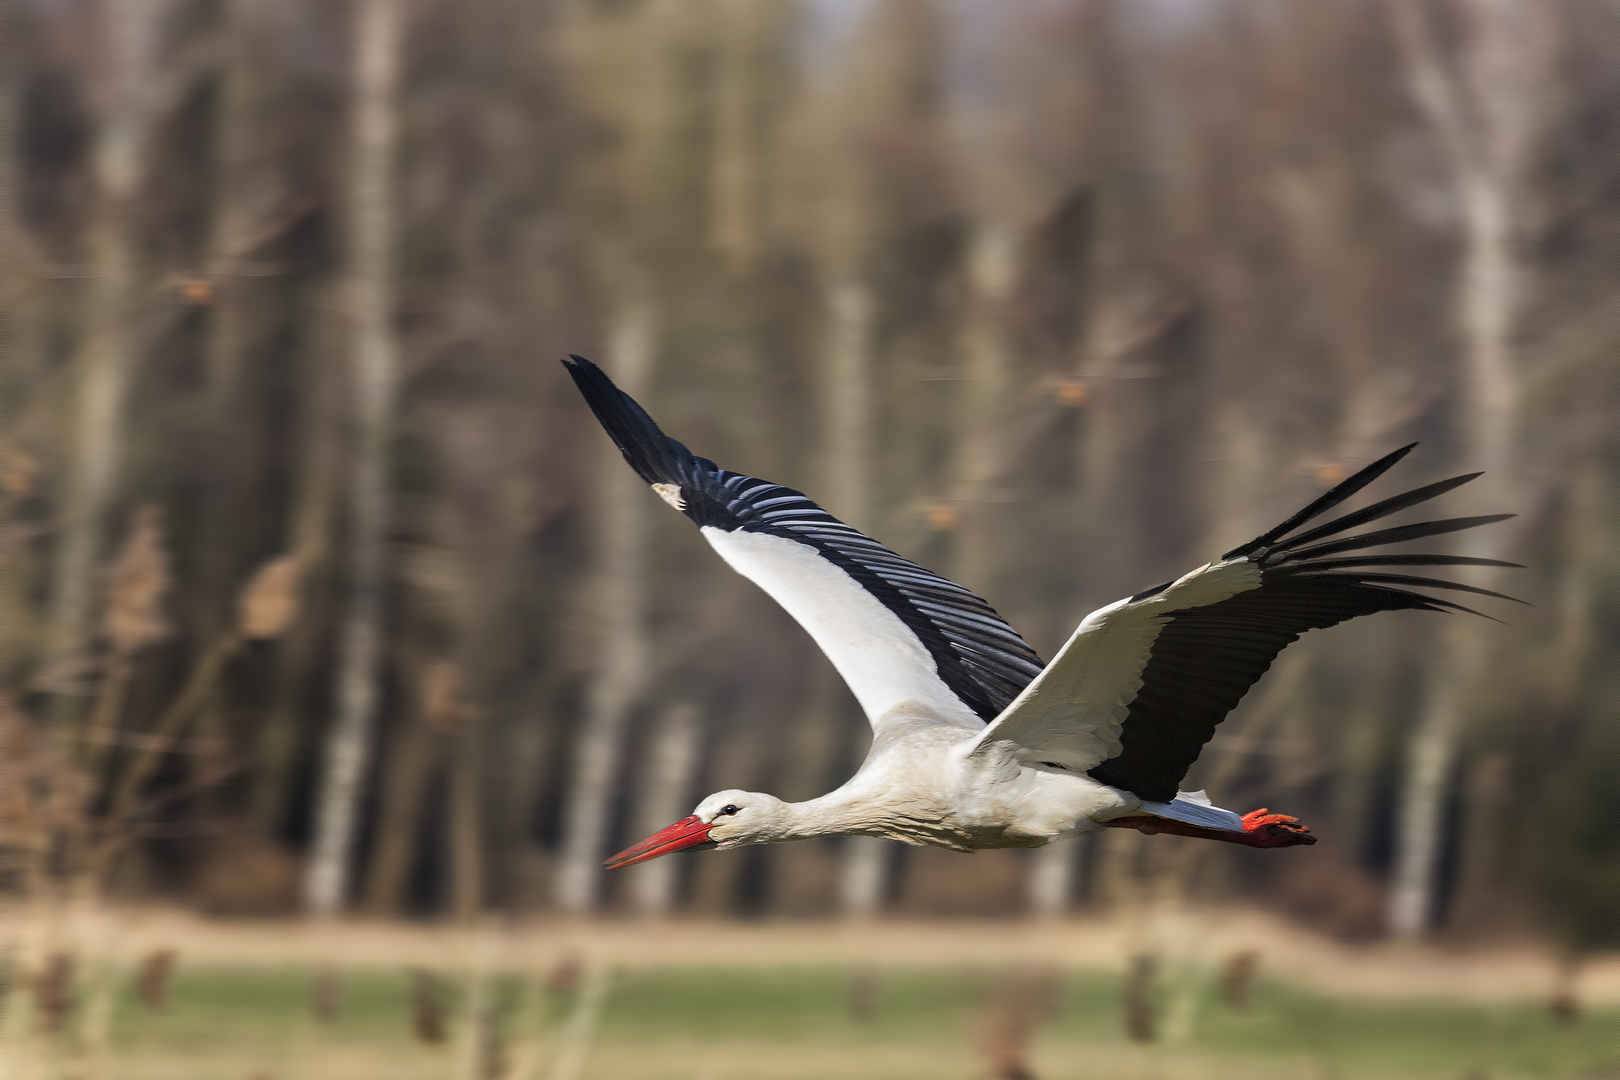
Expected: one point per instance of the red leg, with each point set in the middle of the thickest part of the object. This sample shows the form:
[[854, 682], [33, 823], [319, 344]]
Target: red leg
[[1275, 830], [1260, 829]]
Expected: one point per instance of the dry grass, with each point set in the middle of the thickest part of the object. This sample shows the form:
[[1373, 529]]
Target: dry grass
[[732, 1059], [712, 1001], [1509, 972]]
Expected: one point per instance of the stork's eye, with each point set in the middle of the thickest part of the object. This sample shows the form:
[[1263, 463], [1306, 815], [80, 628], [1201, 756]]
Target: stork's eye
[[730, 808]]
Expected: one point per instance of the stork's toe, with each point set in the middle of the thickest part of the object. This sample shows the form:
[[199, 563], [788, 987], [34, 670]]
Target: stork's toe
[[1276, 830]]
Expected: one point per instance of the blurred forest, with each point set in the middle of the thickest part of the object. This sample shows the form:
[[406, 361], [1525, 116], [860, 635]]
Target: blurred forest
[[322, 590]]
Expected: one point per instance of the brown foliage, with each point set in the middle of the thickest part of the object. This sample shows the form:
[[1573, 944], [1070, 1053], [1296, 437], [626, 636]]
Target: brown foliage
[[326, 995], [1333, 894], [247, 873], [1023, 999], [565, 974], [863, 994], [137, 585], [1140, 1008], [19, 472], [269, 602], [44, 796], [152, 980], [427, 1007], [1237, 978], [442, 704], [54, 992]]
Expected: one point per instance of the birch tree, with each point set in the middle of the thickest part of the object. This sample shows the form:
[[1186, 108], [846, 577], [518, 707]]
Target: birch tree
[[849, 393], [864, 94], [131, 91], [22, 322], [666, 789], [744, 30], [847, 400], [374, 375], [1486, 111], [626, 63], [1015, 162], [618, 598]]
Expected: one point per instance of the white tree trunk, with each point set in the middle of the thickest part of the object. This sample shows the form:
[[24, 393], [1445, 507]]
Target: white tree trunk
[[375, 374], [987, 373], [619, 597], [129, 100], [848, 396], [1052, 877], [739, 26], [849, 399], [1486, 117], [21, 327], [667, 789]]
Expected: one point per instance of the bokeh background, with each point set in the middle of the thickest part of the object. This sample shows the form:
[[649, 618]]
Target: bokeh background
[[322, 594]]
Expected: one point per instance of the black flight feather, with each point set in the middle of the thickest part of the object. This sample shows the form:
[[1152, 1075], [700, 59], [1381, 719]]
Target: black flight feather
[[1410, 560], [1398, 535], [1333, 497], [1375, 511], [1421, 582]]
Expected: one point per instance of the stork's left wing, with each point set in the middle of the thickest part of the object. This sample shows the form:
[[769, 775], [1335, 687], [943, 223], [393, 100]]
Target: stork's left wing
[[896, 633], [1138, 690]]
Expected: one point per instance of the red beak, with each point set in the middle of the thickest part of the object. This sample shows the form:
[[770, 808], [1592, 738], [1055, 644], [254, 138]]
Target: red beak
[[686, 833]]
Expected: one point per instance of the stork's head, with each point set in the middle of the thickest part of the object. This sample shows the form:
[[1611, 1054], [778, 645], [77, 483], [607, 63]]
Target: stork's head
[[725, 819]]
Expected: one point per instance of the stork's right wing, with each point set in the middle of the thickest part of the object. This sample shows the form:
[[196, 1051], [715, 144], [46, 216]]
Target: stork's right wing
[[1138, 690], [896, 632]]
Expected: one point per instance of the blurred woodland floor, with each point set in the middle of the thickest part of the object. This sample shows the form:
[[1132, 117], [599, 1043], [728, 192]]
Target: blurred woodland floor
[[568, 1000], [1496, 973]]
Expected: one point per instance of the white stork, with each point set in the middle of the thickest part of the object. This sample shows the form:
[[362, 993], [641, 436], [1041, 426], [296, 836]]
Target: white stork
[[975, 744]]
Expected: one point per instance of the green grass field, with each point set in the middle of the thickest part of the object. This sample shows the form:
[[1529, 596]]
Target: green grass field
[[256, 1023]]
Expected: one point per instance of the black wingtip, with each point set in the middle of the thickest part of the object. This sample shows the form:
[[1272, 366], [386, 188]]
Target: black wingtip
[[1416, 581], [1393, 559], [1325, 502], [1446, 607], [1393, 505], [654, 456], [1397, 535]]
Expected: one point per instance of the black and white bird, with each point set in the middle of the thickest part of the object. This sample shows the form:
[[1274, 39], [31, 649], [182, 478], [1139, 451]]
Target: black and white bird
[[975, 743]]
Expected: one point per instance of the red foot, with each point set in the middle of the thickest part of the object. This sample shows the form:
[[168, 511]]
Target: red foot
[[1275, 830]]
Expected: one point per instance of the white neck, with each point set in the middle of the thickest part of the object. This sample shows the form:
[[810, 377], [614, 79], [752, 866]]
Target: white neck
[[833, 814]]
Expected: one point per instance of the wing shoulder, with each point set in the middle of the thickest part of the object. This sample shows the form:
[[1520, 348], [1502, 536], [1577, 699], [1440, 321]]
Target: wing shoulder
[[1073, 713]]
